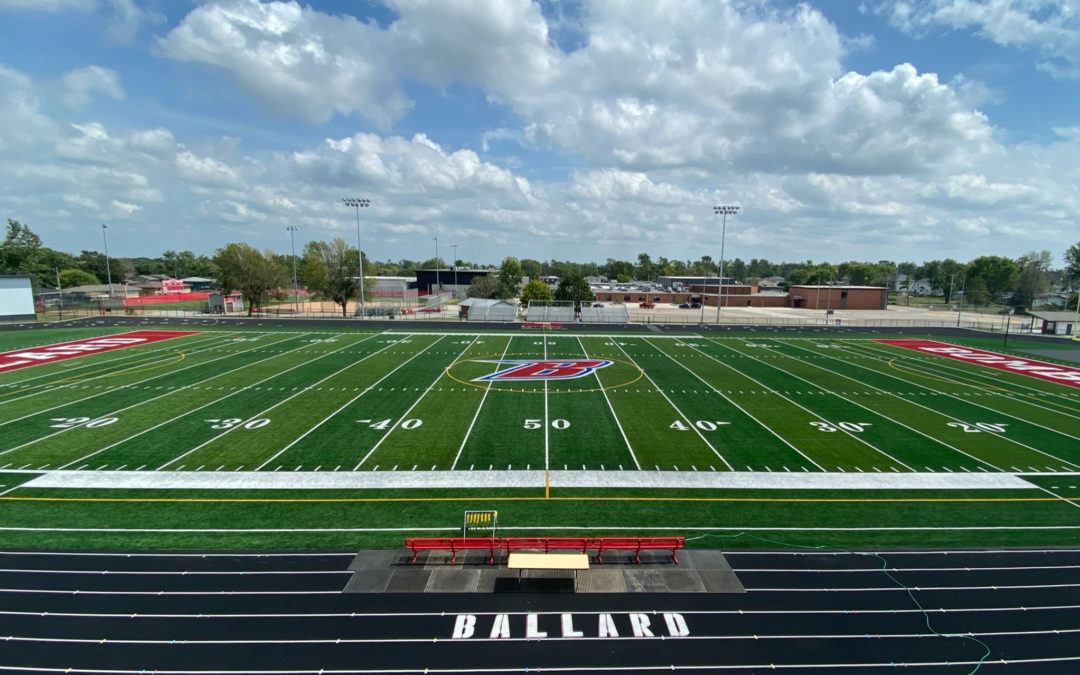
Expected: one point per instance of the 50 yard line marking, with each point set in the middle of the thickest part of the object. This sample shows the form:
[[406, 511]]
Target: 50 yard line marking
[[612, 409], [480, 407], [547, 429]]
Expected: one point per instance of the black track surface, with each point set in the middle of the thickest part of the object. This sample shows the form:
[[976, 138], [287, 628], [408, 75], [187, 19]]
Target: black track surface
[[802, 612]]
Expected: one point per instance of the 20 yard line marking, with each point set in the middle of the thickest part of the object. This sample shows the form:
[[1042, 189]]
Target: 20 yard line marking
[[480, 407], [350, 402], [414, 404], [265, 411], [612, 409]]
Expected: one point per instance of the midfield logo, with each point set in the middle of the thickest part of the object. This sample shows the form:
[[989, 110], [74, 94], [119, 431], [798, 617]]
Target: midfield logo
[[548, 369]]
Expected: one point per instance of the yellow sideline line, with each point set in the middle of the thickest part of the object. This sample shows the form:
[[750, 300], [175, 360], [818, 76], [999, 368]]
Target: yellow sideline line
[[329, 500], [80, 378]]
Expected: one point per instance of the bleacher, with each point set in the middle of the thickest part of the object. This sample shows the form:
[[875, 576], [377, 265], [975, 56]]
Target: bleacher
[[605, 314], [555, 312]]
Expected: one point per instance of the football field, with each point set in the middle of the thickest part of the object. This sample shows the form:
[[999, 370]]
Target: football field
[[237, 438]]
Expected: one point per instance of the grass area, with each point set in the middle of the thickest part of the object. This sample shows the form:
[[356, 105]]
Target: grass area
[[423, 407]]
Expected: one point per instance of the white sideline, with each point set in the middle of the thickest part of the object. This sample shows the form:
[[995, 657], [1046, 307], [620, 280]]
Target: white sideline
[[353, 480]]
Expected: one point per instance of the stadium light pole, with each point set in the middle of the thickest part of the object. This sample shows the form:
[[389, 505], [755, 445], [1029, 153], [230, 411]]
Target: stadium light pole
[[438, 283], [292, 246], [454, 246], [356, 203], [108, 271], [723, 210]]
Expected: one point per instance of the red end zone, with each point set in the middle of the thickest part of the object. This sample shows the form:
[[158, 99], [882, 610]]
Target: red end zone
[[66, 350], [1051, 372]]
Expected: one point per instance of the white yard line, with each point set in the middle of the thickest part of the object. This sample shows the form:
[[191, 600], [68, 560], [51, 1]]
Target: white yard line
[[940, 365], [942, 414], [797, 405], [979, 405], [732, 402], [480, 407], [607, 400], [140, 382], [285, 400], [925, 435], [145, 401], [681, 414], [351, 401], [414, 404], [547, 421], [78, 365]]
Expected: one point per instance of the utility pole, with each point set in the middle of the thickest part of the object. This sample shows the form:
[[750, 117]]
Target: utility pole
[[438, 283], [722, 210], [60, 290], [292, 246], [108, 272], [454, 246]]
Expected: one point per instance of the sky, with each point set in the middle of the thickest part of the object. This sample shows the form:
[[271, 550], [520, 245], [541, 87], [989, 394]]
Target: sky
[[546, 129]]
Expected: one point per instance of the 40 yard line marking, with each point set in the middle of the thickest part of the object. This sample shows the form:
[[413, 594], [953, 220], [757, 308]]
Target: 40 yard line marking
[[480, 407], [686, 419], [607, 400], [732, 402], [414, 404], [263, 412], [353, 399]]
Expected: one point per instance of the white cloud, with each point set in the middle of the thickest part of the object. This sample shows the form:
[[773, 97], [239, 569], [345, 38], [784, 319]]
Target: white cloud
[[1051, 27], [80, 84], [125, 17]]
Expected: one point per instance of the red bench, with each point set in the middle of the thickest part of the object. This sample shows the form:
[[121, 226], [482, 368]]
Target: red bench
[[637, 545], [453, 544], [546, 544]]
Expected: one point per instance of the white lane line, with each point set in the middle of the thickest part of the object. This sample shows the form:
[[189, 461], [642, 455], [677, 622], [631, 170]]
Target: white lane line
[[681, 414], [796, 404], [209, 554], [743, 410], [258, 415], [531, 528], [547, 420], [183, 573], [350, 401], [607, 400], [480, 407], [414, 404]]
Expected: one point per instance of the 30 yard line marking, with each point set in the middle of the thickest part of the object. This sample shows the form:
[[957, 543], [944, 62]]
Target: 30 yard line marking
[[414, 404], [612, 409], [263, 412], [352, 400], [794, 403], [480, 407], [1006, 438], [674, 407], [745, 412], [143, 402]]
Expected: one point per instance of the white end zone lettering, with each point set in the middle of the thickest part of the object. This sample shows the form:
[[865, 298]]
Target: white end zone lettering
[[65, 350], [1051, 372], [568, 626]]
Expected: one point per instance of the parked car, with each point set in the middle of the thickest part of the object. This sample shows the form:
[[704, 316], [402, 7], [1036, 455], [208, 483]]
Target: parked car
[[695, 305], [598, 304], [646, 305], [685, 305], [431, 310]]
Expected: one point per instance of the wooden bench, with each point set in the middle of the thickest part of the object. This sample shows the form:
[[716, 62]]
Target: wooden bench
[[637, 545], [453, 544], [548, 561]]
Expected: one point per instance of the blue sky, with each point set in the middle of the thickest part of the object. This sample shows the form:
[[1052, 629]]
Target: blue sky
[[844, 129]]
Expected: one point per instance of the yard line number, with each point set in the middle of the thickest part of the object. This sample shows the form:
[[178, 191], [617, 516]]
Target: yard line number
[[382, 425], [555, 424], [88, 422], [853, 427], [704, 425], [979, 427], [232, 422]]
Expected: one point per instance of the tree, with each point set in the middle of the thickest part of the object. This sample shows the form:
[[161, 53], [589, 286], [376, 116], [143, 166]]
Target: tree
[[996, 273], [613, 269], [330, 270], [243, 268], [574, 288], [509, 284], [535, 290], [1072, 265], [73, 277], [94, 263], [856, 273], [482, 287], [531, 268], [20, 250], [1032, 278]]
